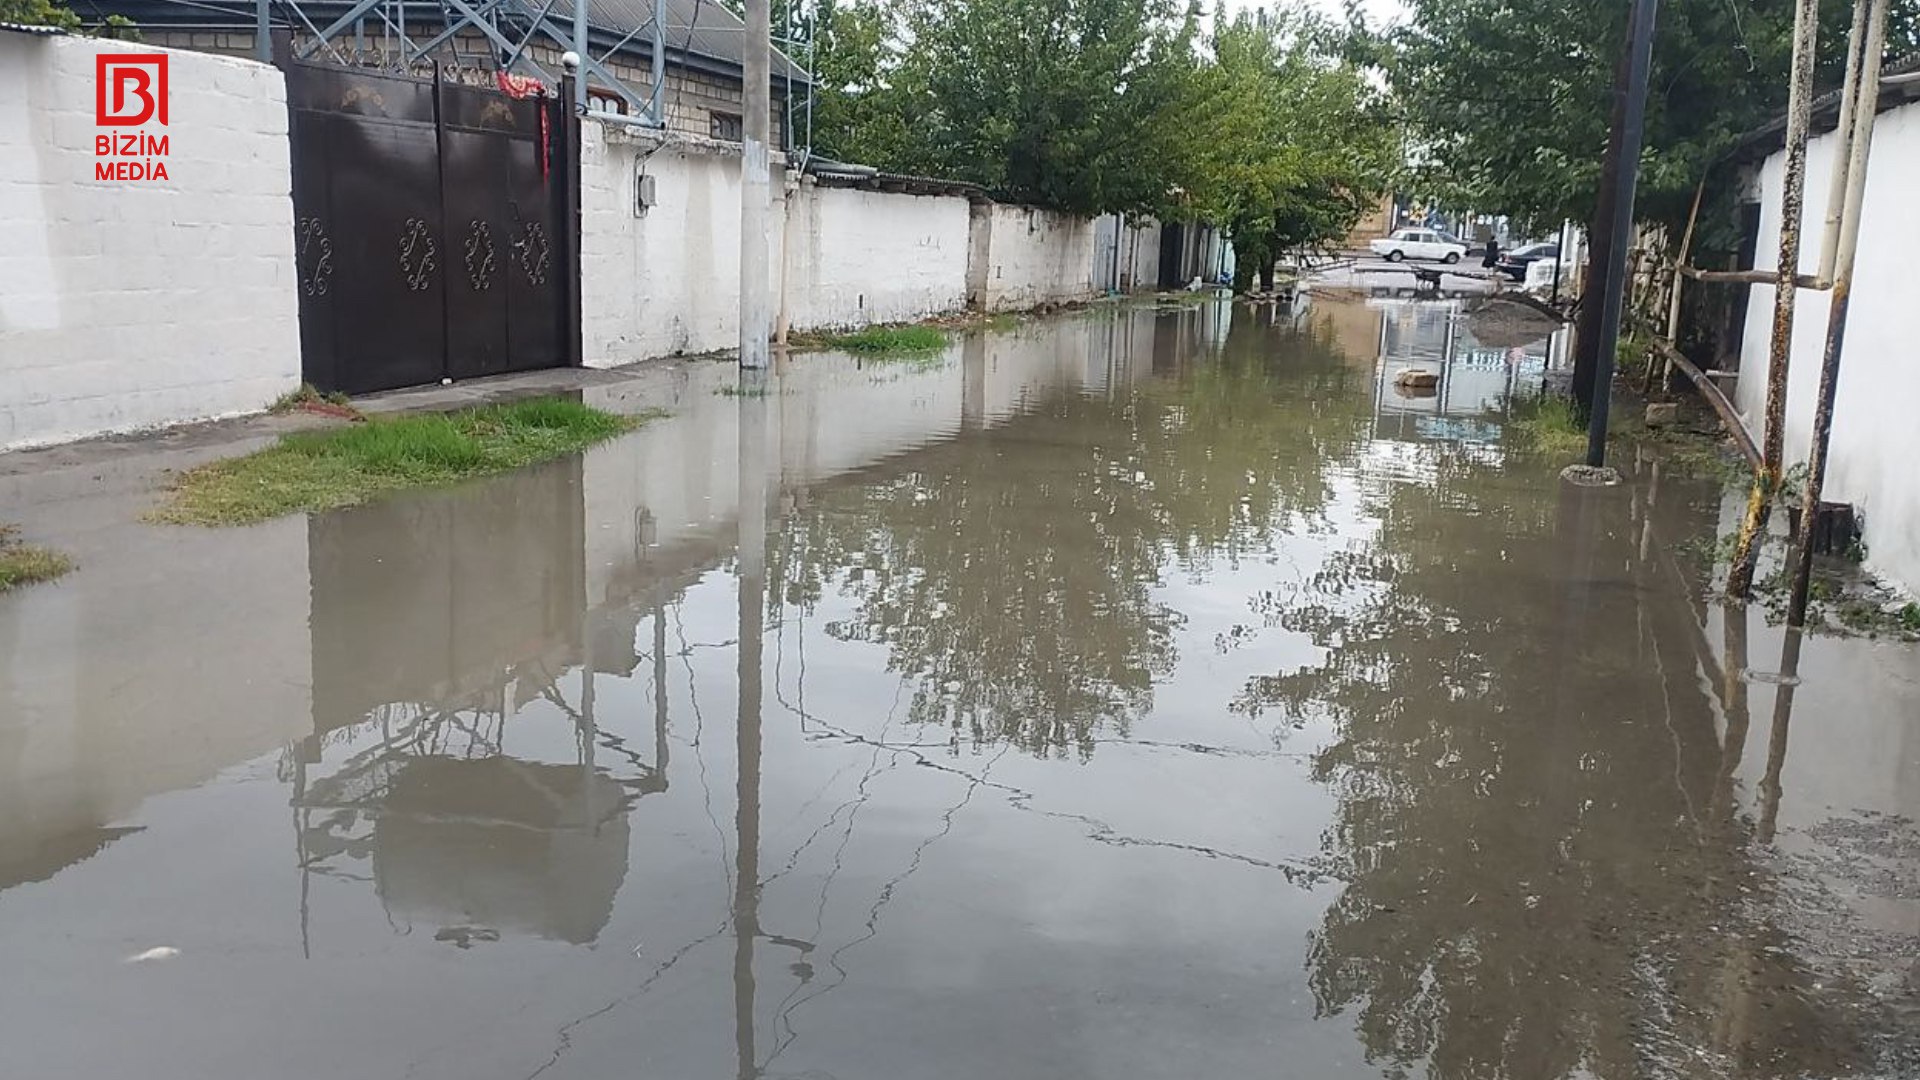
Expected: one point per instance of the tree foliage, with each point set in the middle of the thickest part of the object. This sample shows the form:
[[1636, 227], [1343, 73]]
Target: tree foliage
[[1298, 143], [1256, 122], [1510, 100], [39, 13]]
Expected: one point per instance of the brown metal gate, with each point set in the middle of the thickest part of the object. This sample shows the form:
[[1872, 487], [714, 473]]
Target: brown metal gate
[[432, 229]]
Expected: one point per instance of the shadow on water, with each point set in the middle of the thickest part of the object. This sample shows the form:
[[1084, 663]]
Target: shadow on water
[[1138, 694]]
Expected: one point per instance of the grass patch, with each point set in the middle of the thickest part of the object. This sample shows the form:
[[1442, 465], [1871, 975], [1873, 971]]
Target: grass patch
[[327, 469], [1547, 424], [882, 340], [308, 395], [26, 564]]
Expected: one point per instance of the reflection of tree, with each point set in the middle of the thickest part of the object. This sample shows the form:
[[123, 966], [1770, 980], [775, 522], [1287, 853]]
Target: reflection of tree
[[1012, 572], [1537, 882]]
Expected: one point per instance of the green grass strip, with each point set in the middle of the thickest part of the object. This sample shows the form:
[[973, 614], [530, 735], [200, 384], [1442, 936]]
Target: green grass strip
[[26, 564], [346, 466], [883, 340]]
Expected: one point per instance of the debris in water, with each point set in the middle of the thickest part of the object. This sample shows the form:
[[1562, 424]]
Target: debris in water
[[161, 952], [466, 937]]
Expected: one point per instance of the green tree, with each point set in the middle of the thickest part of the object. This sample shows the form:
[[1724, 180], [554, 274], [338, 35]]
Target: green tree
[[859, 113], [1053, 102], [1510, 100], [1297, 143], [40, 13]]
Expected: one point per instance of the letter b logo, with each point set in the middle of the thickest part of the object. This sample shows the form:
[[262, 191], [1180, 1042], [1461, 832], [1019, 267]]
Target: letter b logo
[[129, 89]]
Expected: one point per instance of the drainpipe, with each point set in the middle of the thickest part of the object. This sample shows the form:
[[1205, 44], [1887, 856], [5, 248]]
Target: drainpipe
[[1860, 144], [790, 192], [1793, 189], [1843, 140]]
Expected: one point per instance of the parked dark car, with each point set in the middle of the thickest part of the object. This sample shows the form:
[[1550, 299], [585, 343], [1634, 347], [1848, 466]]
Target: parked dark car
[[1514, 263]]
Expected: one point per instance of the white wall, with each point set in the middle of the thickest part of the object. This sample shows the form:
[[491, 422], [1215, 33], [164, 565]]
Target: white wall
[[859, 257], [126, 305], [1035, 257], [666, 282], [1875, 440]]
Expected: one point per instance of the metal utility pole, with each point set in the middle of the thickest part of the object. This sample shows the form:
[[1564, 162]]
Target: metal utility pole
[[1793, 184], [755, 314], [1639, 62], [1857, 142]]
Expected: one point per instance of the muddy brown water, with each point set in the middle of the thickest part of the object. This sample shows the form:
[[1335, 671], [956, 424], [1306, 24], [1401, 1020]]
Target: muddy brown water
[[1152, 694]]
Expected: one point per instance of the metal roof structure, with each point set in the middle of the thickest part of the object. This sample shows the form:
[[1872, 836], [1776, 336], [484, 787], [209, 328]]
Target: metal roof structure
[[694, 35], [1899, 85], [706, 29]]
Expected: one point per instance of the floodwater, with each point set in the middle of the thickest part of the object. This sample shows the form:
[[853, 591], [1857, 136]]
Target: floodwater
[[1131, 695]]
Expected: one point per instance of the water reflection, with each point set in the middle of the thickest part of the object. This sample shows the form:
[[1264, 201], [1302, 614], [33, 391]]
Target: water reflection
[[1543, 875], [455, 758], [1144, 694], [1014, 578]]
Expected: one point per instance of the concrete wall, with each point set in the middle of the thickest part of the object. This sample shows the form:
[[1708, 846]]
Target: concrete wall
[[665, 282], [133, 304], [1036, 257], [1139, 255], [1875, 438], [858, 257]]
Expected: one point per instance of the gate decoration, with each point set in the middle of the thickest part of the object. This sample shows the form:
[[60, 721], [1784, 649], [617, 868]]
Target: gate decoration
[[434, 233]]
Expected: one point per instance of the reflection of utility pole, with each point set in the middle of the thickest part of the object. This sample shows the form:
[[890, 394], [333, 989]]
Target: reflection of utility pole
[[973, 385], [1733, 696], [752, 577], [1770, 789], [660, 681]]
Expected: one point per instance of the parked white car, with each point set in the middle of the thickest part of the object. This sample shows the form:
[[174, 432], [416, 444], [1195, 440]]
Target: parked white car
[[1419, 244]]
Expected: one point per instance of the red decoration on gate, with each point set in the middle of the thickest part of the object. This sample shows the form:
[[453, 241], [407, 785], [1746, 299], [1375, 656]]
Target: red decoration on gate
[[521, 86], [526, 86]]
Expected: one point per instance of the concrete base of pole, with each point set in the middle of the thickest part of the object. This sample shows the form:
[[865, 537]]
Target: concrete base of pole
[[1590, 476]]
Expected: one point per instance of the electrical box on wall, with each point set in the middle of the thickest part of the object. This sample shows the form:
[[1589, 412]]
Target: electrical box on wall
[[644, 195]]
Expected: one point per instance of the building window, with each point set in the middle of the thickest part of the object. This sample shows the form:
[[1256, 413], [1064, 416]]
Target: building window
[[725, 126], [603, 101]]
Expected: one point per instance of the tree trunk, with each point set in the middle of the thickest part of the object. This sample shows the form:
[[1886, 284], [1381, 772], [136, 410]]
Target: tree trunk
[[1266, 275], [1586, 333]]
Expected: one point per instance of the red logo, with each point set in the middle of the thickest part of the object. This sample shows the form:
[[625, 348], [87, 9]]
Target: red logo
[[130, 89]]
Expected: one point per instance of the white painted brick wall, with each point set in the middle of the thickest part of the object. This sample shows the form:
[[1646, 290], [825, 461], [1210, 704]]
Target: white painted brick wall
[[128, 305], [668, 283], [1875, 441], [1036, 257], [860, 257]]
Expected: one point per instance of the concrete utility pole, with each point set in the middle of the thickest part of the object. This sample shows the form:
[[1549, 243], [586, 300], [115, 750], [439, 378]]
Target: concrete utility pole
[[755, 311], [1613, 299]]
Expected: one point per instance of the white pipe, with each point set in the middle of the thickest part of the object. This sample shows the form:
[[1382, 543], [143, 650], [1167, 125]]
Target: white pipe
[[1837, 187], [1861, 140]]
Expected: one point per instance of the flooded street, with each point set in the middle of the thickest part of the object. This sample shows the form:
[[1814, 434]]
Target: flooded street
[[1137, 694]]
